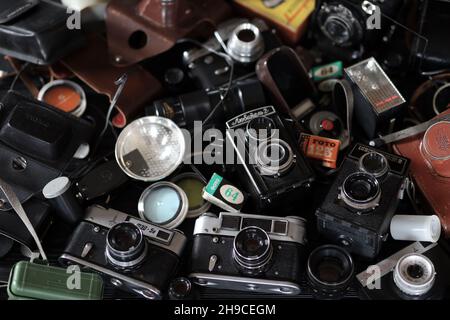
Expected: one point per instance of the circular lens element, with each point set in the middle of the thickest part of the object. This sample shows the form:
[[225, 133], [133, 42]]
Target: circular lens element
[[414, 274], [261, 128], [164, 204], [252, 250], [180, 288], [246, 43], [192, 184], [339, 25], [125, 245], [361, 191], [330, 271], [150, 148], [274, 157], [65, 95], [374, 163], [441, 99]]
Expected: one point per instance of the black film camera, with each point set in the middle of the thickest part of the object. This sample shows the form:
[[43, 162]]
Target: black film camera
[[416, 272], [273, 169], [340, 27], [136, 256], [246, 42], [358, 209], [196, 106], [248, 253]]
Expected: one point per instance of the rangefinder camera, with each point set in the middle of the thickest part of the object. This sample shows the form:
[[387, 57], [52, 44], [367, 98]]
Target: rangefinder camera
[[358, 209], [248, 253], [136, 256]]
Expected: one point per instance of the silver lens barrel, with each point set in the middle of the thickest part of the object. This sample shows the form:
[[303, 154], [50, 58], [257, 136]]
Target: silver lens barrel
[[246, 43], [414, 274]]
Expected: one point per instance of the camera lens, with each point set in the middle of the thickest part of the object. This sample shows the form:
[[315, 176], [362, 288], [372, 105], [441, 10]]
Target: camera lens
[[374, 163], [330, 271], [274, 157], [261, 128], [246, 43], [252, 250], [338, 30], [414, 274], [361, 191], [125, 245], [338, 23]]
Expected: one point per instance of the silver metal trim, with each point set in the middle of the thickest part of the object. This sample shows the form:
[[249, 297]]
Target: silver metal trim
[[175, 221], [109, 217], [245, 284], [133, 285], [246, 262], [280, 168], [209, 224], [379, 174], [410, 287], [126, 264], [365, 205]]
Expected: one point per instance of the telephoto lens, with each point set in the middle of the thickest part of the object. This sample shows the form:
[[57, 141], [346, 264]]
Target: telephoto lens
[[126, 247], [330, 272], [196, 106], [252, 250]]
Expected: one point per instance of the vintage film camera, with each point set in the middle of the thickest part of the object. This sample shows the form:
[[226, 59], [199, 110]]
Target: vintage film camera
[[246, 41], [272, 168], [358, 209], [136, 256], [340, 27], [417, 272], [248, 253], [243, 95]]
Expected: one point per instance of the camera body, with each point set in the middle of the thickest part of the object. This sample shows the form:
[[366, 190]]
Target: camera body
[[184, 110], [136, 256], [358, 209], [417, 272], [246, 42], [272, 179], [340, 27], [248, 253]]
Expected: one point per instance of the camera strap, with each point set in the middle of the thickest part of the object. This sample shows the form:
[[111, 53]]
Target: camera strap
[[17, 207]]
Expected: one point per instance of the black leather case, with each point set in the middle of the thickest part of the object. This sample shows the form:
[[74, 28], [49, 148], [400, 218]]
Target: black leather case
[[36, 31]]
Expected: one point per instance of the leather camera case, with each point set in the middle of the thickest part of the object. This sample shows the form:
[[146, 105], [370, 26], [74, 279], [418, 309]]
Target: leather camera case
[[435, 188]]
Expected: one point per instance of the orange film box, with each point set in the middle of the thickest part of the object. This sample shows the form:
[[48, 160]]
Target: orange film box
[[290, 17], [324, 149]]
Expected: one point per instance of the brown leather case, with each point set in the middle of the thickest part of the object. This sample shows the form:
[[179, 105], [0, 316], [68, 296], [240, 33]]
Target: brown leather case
[[93, 66], [141, 29], [435, 188]]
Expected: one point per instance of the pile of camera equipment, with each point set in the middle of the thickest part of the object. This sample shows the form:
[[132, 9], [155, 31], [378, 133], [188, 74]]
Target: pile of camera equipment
[[338, 186]]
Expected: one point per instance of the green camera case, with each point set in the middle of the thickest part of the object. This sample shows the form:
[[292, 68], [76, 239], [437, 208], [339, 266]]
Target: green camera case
[[33, 281]]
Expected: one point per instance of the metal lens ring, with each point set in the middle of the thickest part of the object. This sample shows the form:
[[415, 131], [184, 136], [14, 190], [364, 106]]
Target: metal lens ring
[[330, 270], [339, 25], [414, 274], [252, 250], [374, 163], [274, 157], [126, 246], [361, 191], [246, 44], [261, 128]]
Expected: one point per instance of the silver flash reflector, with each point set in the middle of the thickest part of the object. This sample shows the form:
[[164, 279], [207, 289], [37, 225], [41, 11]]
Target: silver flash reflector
[[375, 85], [150, 148]]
